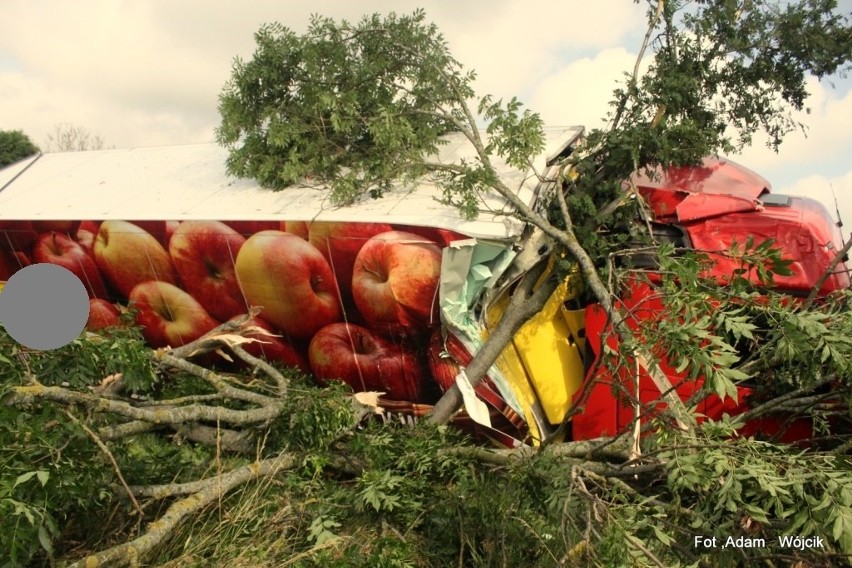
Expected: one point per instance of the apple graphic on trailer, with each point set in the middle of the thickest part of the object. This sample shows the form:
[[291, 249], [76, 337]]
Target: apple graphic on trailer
[[16, 235], [203, 253], [298, 228], [127, 255], [65, 227], [87, 241], [339, 243], [395, 283], [86, 233], [168, 315], [156, 228], [8, 265], [60, 249], [272, 347], [102, 314], [365, 361], [248, 228], [290, 280]]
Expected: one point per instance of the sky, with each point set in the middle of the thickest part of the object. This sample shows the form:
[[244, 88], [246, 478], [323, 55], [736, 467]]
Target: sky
[[148, 72]]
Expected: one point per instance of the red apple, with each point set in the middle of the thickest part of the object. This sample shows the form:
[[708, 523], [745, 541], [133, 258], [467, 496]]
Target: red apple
[[127, 255], [102, 314], [274, 348], [204, 253], [365, 361], [442, 237], [65, 227], [156, 228], [171, 227], [291, 280], [62, 250], [87, 241], [168, 315], [248, 228], [395, 283], [340, 243], [16, 235], [298, 228], [89, 225], [8, 265]]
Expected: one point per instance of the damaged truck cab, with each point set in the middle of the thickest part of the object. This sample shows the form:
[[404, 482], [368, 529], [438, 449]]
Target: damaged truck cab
[[393, 295]]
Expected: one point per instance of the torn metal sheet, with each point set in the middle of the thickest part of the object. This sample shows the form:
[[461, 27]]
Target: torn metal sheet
[[468, 267]]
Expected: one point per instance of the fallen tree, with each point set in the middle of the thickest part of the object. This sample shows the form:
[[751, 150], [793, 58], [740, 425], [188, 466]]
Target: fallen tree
[[262, 424], [263, 446]]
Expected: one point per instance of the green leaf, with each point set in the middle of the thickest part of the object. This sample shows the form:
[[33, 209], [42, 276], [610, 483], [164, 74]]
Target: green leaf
[[842, 530], [320, 530], [825, 503], [756, 512], [661, 536], [24, 477], [45, 540], [43, 477]]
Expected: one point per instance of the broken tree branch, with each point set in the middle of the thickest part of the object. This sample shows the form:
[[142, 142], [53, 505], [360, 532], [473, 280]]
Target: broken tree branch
[[525, 302], [206, 492], [176, 415]]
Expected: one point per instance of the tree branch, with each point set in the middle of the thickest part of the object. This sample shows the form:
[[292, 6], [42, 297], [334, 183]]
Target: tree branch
[[214, 379], [280, 380], [178, 415], [523, 304], [838, 258], [103, 447], [652, 25], [201, 495]]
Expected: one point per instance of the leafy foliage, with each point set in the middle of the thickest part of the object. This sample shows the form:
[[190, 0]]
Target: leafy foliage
[[50, 474], [84, 362], [342, 96], [362, 107], [14, 146], [55, 484], [761, 490]]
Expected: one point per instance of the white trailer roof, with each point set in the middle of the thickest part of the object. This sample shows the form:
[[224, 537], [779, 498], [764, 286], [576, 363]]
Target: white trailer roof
[[190, 182]]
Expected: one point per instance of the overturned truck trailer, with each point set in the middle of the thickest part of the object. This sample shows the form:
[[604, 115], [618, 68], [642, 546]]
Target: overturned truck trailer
[[391, 295]]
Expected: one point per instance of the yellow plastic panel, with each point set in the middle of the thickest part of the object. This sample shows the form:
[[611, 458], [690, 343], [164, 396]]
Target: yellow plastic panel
[[510, 365], [512, 368], [552, 360], [576, 320], [545, 355]]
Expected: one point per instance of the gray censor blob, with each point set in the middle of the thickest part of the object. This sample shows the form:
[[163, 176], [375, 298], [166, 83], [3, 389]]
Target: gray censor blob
[[44, 306]]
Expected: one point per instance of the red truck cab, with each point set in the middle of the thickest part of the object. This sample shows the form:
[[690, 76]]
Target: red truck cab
[[711, 208]]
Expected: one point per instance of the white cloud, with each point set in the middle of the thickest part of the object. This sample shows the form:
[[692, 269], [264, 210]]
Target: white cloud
[[827, 190], [515, 44], [148, 72], [36, 106], [580, 92], [827, 139]]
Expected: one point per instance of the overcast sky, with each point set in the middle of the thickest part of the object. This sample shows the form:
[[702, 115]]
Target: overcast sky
[[148, 72]]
